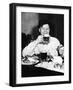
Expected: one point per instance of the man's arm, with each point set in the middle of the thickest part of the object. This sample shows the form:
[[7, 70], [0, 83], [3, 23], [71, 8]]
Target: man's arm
[[60, 48], [29, 50]]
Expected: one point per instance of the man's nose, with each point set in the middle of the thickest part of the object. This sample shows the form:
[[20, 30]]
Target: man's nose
[[45, 30]]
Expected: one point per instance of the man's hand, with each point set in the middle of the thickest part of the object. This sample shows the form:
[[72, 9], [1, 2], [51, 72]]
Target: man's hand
[[39, 39], [61, 51]]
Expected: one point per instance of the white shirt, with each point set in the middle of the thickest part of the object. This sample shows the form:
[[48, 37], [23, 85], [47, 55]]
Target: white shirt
[[50, 48]]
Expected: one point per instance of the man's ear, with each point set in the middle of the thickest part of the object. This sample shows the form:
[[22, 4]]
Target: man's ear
[[39, 29]]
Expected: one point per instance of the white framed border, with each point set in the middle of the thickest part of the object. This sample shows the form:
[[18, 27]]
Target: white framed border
[[26, 80]]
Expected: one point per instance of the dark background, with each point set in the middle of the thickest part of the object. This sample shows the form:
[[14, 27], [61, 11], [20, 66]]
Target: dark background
[[57, 25], [30, 22]]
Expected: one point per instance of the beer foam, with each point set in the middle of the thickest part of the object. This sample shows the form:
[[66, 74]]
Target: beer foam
[[46, 35]]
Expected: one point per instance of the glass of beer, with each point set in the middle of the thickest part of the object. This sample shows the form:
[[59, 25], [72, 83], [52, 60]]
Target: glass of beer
[[46, 38], [43, 57]]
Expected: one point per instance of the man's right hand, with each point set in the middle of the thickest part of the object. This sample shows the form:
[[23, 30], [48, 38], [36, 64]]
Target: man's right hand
[[39, 39]]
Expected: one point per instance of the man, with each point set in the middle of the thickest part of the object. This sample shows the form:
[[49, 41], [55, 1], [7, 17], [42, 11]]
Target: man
[[44, 44]]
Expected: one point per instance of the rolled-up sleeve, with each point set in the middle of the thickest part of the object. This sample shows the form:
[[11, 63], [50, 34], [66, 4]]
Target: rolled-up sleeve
[[29, 50]]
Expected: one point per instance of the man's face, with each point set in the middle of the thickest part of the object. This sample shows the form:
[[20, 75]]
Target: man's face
[[45, 29]]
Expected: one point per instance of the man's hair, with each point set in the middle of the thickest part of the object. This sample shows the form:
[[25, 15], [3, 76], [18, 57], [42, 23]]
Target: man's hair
[[41, 23]]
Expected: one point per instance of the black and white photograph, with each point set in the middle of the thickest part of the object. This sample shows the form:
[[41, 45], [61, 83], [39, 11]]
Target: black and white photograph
[[41, 44]]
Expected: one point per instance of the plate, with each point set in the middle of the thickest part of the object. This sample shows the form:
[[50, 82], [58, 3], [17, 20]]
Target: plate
[[29, 61]]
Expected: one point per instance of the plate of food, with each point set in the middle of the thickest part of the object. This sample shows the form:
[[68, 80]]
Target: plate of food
[[30, 60]]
